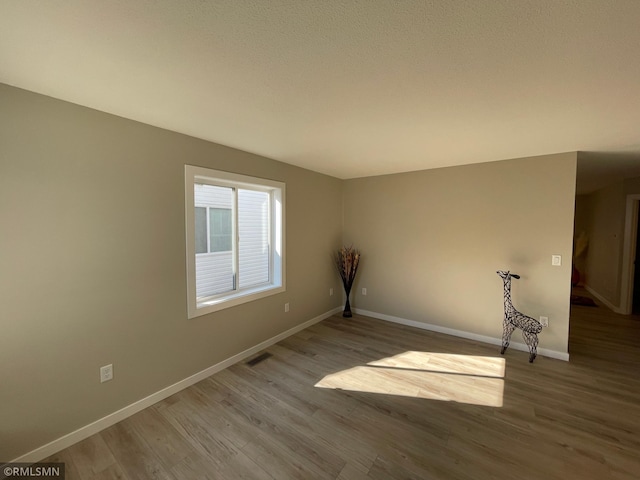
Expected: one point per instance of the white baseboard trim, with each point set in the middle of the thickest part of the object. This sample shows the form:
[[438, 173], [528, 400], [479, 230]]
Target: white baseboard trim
[[601, 299], [460, 333], [69, 439]]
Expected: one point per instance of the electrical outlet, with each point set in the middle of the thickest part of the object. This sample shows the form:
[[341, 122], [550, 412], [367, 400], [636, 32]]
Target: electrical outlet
[[286, 307], [331, 292], [544, 321], [106, 373], [364, 292]]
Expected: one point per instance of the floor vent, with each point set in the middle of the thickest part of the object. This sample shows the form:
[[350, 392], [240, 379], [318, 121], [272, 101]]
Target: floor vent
[[260, 358]]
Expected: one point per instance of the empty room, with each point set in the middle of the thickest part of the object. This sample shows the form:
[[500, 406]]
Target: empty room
[[319, 239]]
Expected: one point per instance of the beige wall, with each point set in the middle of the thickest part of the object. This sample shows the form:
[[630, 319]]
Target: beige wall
[[603, 215], [582, 227], [605, 231], [92, 264], [432, 241]]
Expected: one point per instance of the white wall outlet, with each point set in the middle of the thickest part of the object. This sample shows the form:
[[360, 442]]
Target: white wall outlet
[[106, 373], [331, 292], [544, 321], [556, 260], [364, 292], [286, 307]]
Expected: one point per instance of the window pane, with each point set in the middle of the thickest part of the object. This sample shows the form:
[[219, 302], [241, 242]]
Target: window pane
[[253, 230], [201, 230], [220, 229], [214, 272]]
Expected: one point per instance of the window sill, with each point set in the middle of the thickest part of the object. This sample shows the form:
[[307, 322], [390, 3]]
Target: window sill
[[210, 305]]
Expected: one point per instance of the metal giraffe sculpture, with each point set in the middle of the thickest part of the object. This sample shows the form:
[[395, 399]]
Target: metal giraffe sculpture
[[513, 318]]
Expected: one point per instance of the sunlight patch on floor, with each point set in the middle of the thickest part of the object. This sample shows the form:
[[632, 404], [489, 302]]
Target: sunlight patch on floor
[[436, 376]]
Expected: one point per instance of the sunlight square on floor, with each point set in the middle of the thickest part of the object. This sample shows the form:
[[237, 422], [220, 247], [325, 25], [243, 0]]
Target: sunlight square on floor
[[470, 379]]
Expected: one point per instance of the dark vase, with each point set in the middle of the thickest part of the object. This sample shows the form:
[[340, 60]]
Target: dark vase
[[346, 261], [347, 309]]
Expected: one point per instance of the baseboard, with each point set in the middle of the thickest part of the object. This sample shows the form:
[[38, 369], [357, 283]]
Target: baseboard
[[601, 299], [65, 441], [460, 333]]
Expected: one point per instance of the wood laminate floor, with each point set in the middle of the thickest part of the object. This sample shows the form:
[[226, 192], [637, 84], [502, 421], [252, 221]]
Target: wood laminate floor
[[393, 402]]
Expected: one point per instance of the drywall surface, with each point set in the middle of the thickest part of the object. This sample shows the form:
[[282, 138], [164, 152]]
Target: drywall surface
[[581, 236], [606, 212], [92, 262], [632, 185], [432, 241]]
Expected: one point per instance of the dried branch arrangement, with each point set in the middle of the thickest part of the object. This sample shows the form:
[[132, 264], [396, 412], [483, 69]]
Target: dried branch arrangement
[[347, 260]]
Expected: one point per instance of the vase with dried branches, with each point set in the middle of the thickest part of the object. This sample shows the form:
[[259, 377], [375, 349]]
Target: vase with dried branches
[[347, 260]]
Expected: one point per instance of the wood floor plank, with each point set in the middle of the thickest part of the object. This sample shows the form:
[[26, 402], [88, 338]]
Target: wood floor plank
[[70, 470], [161, 437], [215, 415], [91, 456], [557, 420], [281, 461], [279, 423], [237, 467], [132, 453], [112, 472], [305, 425], [208, 442], [353, 472]]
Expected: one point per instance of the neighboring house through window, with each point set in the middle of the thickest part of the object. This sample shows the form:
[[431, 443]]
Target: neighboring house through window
[[213, 229], [235, 241]]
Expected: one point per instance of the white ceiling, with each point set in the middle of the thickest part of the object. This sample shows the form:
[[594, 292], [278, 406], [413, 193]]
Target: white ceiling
[[346, 88]]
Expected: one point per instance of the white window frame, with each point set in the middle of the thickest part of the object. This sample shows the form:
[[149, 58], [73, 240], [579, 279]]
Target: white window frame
[[276, 284]]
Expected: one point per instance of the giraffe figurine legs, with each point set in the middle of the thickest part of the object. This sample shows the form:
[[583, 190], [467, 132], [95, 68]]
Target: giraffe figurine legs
[[507, 330], [531, 339]]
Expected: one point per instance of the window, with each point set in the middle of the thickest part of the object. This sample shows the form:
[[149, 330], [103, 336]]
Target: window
[[235, 239], [213, 229]]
